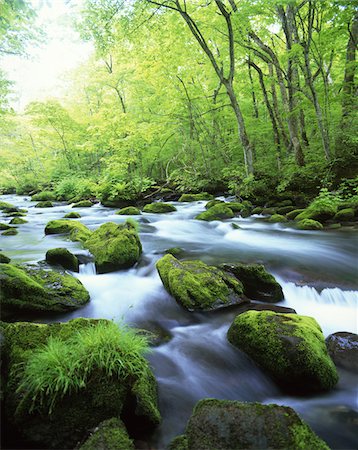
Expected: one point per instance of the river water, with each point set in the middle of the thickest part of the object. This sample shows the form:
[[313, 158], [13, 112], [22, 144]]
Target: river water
[[317, 270]]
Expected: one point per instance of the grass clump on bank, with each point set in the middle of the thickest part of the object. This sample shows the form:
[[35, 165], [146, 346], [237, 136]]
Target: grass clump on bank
[[63, 367]]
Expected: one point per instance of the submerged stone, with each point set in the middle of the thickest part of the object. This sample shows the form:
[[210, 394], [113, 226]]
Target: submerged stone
[[10, 232], [18, 221], [114, 246], [62, 257], [258, 283], [5, 226], [289, 347], [224, 424], [159, 208], [28, 288], [197, 286]]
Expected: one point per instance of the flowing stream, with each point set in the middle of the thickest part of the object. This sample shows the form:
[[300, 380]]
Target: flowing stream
[[317, 270]]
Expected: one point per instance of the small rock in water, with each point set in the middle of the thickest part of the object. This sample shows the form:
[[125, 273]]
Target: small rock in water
[[343, 349]]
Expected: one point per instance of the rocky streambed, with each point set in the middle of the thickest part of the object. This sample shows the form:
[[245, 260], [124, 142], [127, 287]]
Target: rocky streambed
[[191, 357]]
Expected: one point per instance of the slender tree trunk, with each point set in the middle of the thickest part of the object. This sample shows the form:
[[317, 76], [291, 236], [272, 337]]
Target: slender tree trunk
[[254, 102], [349, 88]]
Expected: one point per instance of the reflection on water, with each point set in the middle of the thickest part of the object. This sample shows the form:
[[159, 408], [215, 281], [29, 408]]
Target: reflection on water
[[317, 270]]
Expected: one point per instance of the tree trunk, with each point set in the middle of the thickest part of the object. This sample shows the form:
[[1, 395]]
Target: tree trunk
[[349, 70]]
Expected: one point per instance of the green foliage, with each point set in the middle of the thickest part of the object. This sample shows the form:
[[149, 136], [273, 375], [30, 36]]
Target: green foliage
[[76, 189], [63, 367]]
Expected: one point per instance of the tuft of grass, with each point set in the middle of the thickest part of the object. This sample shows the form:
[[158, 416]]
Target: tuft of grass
[[65, 366]]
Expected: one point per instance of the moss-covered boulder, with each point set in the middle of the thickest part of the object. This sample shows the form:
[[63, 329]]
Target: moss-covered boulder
[[4, 259], [43, 196], [114, 246], [236, 207], [213, 203], [62, 257], [28, 289], [344, 215], [277, 218], [109, 435], [64, 379], [175, 251], [45, 204], [258, 283], [5, 205], [18, 221], [319, 212], [269, 211], [129, 211], [195, 197], [159, 208], [257, 210], [72, 215], [343, 349], [10, 232], [293, 214], [5, 226], [309, 224], [216, 212], [76, 230], [224, 424], [83, 204], [285, 209], [17, 213], [197, 286], [289, 347]]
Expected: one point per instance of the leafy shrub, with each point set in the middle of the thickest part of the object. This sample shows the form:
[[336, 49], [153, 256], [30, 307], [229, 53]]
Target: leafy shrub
[[113, 189], [76, 189], [66, 366]]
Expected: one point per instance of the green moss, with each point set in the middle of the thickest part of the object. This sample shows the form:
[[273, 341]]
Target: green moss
[[17, 221], [257, 210], [179, 443], [45, 204], [284, 203], [10, 232], [16, 213], [129, 211], [290, 347], [236, 206], [319, 212], [62, 257], [4, 259], [145, 393], [159, 208], [175, 251], [258, 283], [197, 286], [6, 205], [344, 215], [213, 203], [277, 218], [72, 215], [83, 204], [109, 435], [285, 209], [28, 288], [216, 212], [114, 246], [5, 226], [77, 231], [224, 424], [268, 211], [43, 196], [293, 214], [309, 224], [195, 197]]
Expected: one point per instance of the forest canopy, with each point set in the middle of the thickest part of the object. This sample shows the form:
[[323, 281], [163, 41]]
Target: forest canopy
[[255, 97]]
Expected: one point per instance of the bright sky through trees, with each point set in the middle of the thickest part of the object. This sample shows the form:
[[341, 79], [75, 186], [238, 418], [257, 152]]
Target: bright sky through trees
[[40, 74]]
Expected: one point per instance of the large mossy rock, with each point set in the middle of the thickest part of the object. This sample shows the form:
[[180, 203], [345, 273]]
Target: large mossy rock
[[109, 435], [28, 289], [217, 212], [195, 197], [6, 205], [344, 215], [10, 232], [62, 257], [44, 204], [129, 211], [72, 215], [258, 283], [343, 349], [116, 382], [43, 196], [83, 204], [76, 230], [114, 246], [289, 347], [321, 213], [224, 424], [5, 226], [197, 286], [309, 224], [159, 208], [213, 203], [275, 218], [17, 221]]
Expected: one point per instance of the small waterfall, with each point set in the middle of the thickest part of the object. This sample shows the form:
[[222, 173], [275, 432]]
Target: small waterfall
[[87, 269]]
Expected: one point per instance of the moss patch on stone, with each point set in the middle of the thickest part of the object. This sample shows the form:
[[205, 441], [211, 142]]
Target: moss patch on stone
[[277, 218], [195, 197], [72, 215], [83, 204], [213, 203], [159, 208], [76, 230], [10, 232], [216, 212], [258, 283], [289, 347], [28, 288], [344, 215], [62, 257], [236, 206], [43, 196], [114, 246], [45, 204], [309, 224], [4, 259], [293, 214], [4, 226], [109, 435], [197, 286], [129, 211], [17, 221], [224, 424]]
